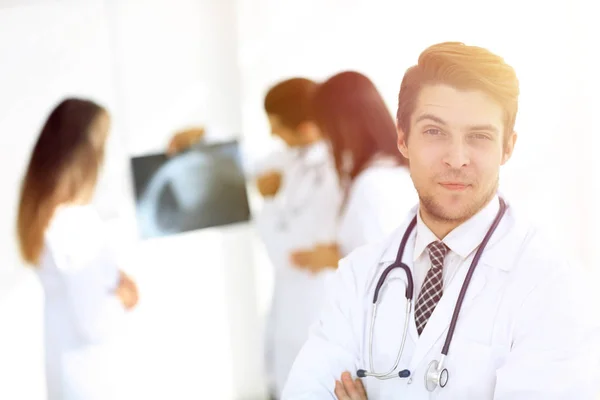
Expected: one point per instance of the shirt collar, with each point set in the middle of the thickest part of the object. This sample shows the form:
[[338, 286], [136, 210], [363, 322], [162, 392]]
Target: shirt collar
[[312, 154], [463, 239]]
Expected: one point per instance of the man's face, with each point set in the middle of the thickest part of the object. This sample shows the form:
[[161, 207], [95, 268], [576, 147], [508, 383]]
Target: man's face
[[289, 135], [455, 148]]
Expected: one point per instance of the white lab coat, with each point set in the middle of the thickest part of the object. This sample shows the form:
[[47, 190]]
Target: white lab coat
[[302, 214], [525, 330], [79, 275], [377, 202]]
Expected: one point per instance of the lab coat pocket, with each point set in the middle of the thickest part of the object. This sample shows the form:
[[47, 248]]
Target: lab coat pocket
[[471, 369]]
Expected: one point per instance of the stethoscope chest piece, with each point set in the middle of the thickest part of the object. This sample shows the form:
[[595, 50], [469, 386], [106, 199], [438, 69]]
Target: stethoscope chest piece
[[436, 376]]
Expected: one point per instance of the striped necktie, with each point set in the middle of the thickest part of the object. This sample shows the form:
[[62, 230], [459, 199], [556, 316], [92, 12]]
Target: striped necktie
[[433, 287]]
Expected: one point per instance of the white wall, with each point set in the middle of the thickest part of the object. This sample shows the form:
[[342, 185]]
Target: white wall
[[550, 175], [176, 66], [157, 66]]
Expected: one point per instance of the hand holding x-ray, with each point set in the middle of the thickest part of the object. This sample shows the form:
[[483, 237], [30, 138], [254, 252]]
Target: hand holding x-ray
[[185, 139]]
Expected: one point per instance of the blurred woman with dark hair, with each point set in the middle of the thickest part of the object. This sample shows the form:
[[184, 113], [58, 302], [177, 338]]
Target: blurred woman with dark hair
[[361, 132], [62, 236]]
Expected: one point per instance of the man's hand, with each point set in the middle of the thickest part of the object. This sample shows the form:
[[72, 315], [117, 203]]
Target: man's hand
[[127, 291], [268, 184], [349, 389], [183, 140], [317, 259]]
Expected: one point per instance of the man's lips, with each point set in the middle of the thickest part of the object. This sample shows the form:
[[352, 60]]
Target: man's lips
[[454, 185]]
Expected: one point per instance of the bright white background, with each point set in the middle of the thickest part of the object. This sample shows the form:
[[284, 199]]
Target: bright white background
[[164, 65]]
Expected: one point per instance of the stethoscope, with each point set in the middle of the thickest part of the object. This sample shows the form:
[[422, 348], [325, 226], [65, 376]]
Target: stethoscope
[[314, 177], [436, 375]]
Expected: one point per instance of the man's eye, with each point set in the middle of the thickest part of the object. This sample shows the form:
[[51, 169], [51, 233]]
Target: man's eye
[[480, 136]]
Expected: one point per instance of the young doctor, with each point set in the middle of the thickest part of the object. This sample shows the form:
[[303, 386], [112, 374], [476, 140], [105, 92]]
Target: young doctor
[[301, 199], [374, 176], [59, 231], [493, 312]]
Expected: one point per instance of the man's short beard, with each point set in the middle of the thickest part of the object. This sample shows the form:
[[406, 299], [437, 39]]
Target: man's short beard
[[436, 211]]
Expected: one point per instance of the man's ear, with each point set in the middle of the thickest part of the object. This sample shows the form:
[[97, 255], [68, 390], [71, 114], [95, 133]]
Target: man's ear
[[509, 147], [402, 142]]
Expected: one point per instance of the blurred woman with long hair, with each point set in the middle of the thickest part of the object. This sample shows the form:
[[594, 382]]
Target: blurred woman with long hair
[[360, 129], [61, 235]]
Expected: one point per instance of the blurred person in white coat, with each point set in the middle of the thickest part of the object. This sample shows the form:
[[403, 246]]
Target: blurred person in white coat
[[62, 236], [301, 199], [378, 191], [466, 299]]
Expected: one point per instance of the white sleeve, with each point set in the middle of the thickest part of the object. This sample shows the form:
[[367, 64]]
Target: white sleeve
[[90, 287], [365, 218], [375, 207], [268, 218], [333, 345], [555, 349], [97, 307], [268, 226], [327, 199]]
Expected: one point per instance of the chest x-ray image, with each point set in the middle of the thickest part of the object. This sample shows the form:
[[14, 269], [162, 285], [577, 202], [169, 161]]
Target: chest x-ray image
[[201, 188]]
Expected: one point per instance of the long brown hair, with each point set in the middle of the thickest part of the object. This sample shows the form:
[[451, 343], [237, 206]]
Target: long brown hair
[[353, 116], [64, 166]]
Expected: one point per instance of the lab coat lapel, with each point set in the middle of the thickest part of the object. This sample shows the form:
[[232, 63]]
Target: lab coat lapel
[[434, 334]]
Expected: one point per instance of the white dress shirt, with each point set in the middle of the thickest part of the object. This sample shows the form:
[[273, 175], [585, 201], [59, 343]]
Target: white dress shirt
[[461, 242]]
